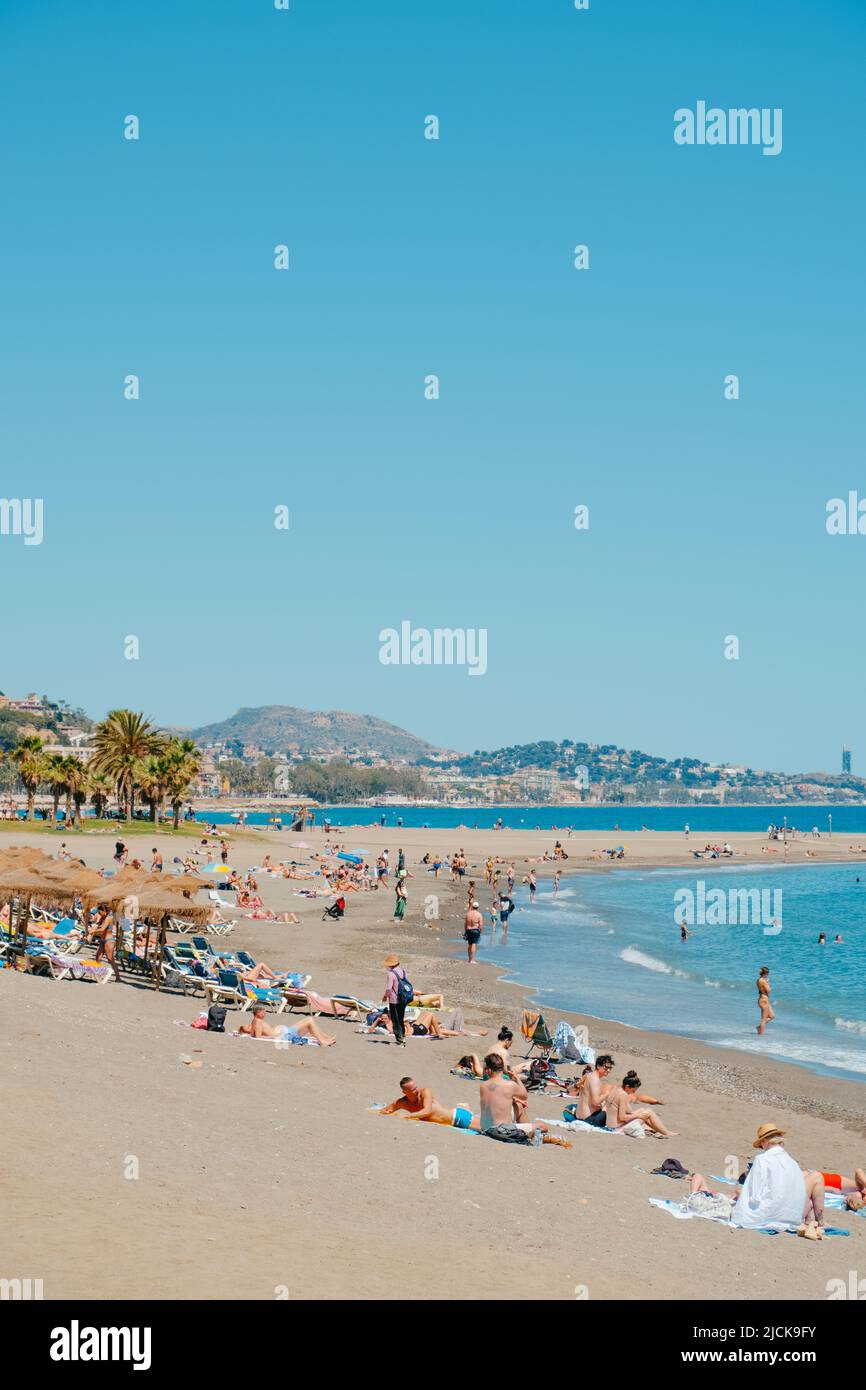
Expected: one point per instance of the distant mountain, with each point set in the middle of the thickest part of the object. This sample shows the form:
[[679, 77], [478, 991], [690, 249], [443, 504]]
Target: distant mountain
[[283, 728]]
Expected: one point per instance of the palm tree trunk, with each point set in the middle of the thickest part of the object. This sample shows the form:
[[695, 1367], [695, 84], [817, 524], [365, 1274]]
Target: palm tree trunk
[[31, 797]]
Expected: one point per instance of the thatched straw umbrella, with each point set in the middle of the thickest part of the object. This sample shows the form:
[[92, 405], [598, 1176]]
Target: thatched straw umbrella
[[156, 904], [28, 884]]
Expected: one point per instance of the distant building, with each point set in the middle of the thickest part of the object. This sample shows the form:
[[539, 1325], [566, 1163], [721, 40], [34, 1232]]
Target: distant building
[[846, 759]]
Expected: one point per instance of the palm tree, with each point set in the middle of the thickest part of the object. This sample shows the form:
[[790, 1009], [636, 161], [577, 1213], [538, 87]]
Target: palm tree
[[55, 776], [101, 788], [122, 742], [184, 765], [152, 780], [32, 767], [78, 785]]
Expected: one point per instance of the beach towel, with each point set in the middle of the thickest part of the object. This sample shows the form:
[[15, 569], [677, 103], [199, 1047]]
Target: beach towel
[[529, 1022], [679, 1210], [581, 1124], [568, 1046]]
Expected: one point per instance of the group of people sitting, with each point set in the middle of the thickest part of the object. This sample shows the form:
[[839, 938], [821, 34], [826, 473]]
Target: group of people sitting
[[775, 1192], [503, 1102]]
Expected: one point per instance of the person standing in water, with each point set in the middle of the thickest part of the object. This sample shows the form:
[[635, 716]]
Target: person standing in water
[[764, 991]]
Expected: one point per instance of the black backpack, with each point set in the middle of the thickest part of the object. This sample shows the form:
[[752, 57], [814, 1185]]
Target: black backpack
[[405, 989], [216, 1019], [536, 1078]]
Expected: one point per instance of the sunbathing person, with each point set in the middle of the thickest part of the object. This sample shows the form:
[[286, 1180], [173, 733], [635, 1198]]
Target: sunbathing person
[[500, 1048], [306, 1030], [419, 1103], [619, 1113], [426, 1025], [852, 1189], [503, 1109], [593, 1091]]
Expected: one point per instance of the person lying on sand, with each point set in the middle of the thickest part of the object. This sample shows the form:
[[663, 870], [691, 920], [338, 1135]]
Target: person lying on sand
[[503, 1109], [306, 1030], [619, 1113], [419, 1103], [426, 1025], [852, 1189]]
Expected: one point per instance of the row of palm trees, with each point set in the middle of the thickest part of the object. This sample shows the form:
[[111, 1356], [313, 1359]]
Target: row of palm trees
[[131, 758]]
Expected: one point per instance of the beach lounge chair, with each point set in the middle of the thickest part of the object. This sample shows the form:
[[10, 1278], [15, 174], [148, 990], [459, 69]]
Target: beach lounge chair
[[220, 902], [227, 988], [541, 1039], [296, 999], [357, 1008]]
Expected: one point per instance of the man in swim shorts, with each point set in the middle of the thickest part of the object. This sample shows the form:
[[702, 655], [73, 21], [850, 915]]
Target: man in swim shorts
[[306, 1031], [472, 926], [419, 1103], [503, 1109], [594, 1092]]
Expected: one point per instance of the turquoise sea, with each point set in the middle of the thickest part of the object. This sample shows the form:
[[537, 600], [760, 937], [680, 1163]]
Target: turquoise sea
[[609, 945]]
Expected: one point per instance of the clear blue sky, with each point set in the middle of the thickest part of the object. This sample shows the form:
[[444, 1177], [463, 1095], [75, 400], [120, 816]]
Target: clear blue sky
[[453, 257]]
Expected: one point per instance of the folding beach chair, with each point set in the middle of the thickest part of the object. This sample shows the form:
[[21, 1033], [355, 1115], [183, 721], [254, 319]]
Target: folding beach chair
[[296, 999], [541, 1039], [227, 989], [356, 1008]]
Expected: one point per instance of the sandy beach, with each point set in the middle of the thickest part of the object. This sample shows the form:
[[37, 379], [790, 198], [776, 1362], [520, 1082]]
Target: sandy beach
[[264, 1173]]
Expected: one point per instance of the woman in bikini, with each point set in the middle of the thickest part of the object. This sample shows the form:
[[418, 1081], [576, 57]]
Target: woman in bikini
[[764, 990], [619, 1113]]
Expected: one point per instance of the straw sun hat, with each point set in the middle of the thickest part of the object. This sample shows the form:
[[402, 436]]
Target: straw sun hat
[[766, 1132], [390, 961]]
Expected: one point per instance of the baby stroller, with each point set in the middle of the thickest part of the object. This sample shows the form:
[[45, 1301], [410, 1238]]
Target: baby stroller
[[336, 910]]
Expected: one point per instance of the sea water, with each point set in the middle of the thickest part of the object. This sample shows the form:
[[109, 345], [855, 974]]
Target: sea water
[[610, 945]]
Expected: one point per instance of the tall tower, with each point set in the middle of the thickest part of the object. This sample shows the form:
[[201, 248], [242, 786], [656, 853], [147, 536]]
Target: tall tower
[[846, 759]]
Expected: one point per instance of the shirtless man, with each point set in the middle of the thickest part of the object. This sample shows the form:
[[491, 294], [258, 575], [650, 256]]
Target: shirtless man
[[764, 990], [419, 1103], [594, 1093], [472, 925], [503, 1109], [305, 1028]]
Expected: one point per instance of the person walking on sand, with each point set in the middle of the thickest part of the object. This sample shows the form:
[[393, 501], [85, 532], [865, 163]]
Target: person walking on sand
[[764, 1005], [398, 992], [472, 926]]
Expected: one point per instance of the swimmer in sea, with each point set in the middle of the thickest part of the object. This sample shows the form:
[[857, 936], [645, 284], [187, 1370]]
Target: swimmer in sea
[[764, 990]]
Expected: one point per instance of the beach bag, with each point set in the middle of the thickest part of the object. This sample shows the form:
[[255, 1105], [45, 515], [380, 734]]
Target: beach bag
[[405, 989], [216, 1019], [200, 1022], [634, 1129], [710, 1204], [537, 1075]]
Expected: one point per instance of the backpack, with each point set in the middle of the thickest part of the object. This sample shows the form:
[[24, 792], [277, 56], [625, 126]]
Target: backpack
[[405, 989], [536, 1078], [216, 1019]]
